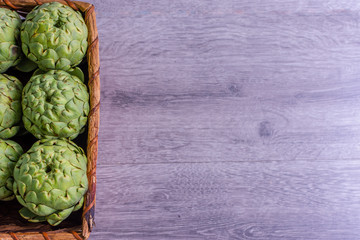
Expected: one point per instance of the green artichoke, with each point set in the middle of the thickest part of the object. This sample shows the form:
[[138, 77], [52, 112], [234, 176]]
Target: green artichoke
[[10, 106], [54, 36], [10, 51], [55, 105], [10, 152], [50, 181]]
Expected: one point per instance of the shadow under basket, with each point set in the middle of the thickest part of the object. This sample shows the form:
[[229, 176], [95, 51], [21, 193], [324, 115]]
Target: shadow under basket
[[79, 224]]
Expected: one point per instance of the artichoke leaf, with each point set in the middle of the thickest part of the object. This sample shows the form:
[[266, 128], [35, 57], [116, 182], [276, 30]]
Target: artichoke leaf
[[26, 65], [30, 216], [57, 217], [77, 72]]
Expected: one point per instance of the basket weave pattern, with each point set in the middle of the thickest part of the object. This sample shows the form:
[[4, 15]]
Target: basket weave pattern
[[24, 6]]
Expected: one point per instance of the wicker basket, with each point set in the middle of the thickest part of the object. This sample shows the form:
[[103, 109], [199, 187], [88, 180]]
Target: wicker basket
[[80, 223]]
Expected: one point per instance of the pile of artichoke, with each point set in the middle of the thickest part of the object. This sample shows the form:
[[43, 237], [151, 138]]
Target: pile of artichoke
[[49, 180]]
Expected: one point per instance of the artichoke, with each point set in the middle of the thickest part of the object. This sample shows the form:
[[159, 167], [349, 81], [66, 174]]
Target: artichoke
[[10, 51], [55, 105], [10, 153], [54, 36], [50, 181], [10, 106]]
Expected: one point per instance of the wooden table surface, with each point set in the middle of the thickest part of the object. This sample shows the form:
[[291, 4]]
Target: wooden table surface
[[236, 119]]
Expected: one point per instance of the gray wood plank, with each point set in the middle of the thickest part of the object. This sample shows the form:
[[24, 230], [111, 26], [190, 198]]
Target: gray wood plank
[[249, 200], [213, 130], [252, 84]]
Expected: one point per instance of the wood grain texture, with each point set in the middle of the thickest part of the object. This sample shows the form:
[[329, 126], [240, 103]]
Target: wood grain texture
[[264, 85], [249, 200], [229, 120]]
